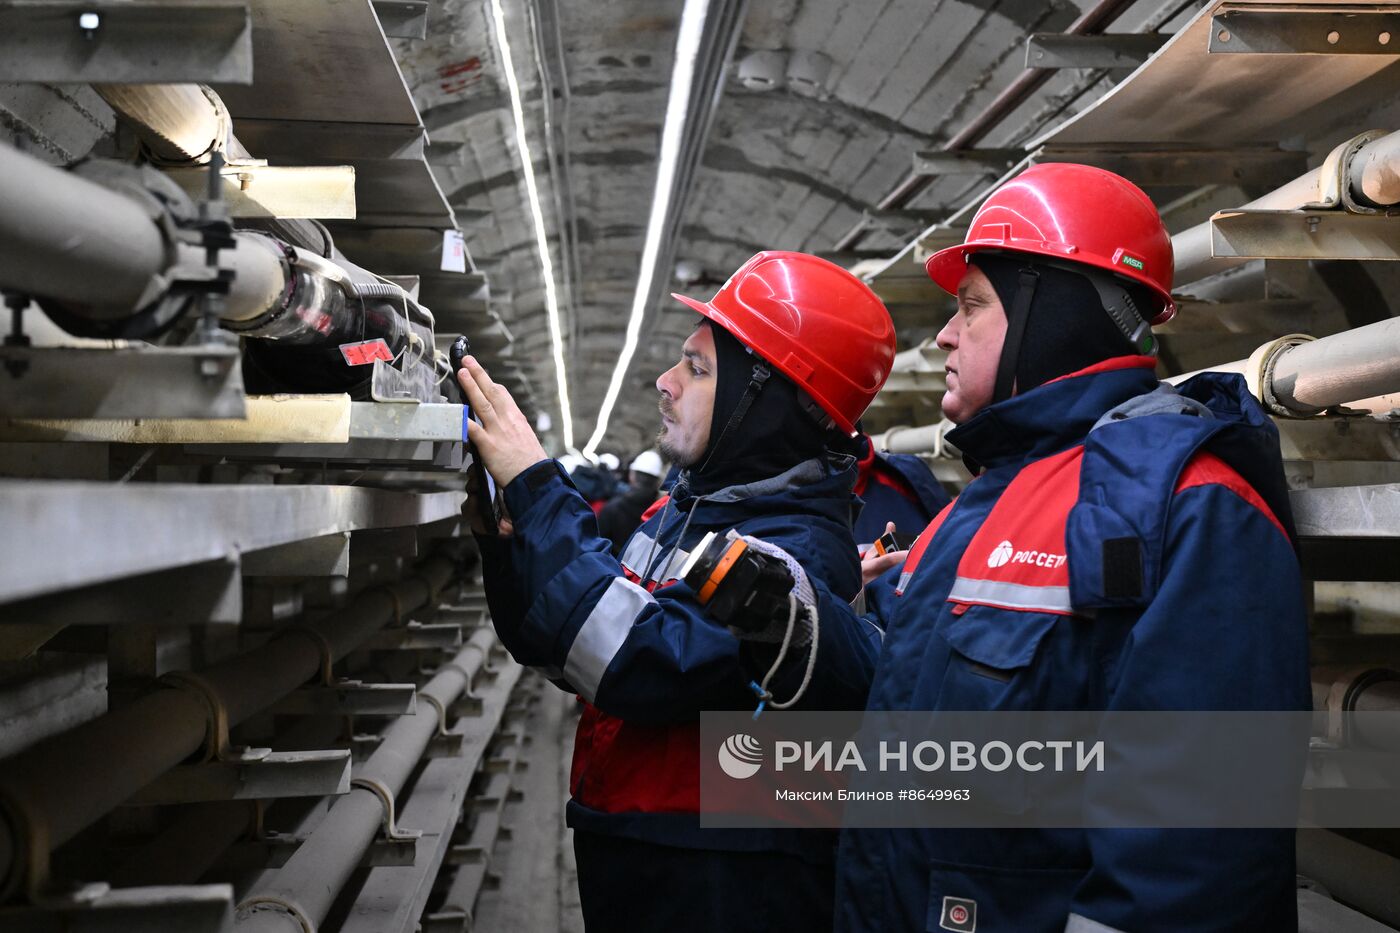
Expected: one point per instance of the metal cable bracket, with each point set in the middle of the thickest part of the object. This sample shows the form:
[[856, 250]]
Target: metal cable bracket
[[386, 797], [441, 710], [216, 741], [30, 866], [323, 644], [398, 605], [444, 744], [467, 675], [265, 901], [1259, 372]]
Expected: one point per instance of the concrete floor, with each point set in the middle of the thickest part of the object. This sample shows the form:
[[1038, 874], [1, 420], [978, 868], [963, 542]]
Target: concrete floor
[[538, 885]]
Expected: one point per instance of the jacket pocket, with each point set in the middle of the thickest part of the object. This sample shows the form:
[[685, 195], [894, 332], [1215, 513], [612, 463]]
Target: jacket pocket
[[991, 648], [981, 899]]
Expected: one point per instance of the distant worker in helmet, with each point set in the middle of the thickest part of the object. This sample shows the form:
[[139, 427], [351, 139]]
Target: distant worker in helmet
[[785, 357], [1125, 545], [623, 513]]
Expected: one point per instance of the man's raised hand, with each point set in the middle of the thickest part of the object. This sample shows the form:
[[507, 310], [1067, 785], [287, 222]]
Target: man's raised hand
[[504, 439]]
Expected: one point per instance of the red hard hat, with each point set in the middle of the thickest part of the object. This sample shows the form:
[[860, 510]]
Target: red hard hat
[[1074, 213], [815, 322]]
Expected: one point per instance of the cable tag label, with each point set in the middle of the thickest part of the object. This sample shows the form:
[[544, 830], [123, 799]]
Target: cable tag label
[[454, 252], [366, 352]]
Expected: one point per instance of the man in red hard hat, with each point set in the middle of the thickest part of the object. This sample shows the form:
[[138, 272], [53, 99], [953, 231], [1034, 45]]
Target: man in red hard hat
[[785, 357], [1125, 545]]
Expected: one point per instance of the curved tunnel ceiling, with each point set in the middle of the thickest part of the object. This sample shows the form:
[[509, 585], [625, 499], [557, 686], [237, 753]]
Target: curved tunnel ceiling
[[779, 170]]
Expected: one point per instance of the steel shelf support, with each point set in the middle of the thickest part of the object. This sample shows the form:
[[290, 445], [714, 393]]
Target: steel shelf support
[[301, 893], [51, 791], [124, 42]]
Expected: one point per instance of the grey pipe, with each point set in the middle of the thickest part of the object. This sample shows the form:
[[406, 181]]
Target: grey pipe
[[1340, 368], [1353, 873], [1372, 177], [177, 122], [49, 792], [64, 237], [1375, 172], [925, 439], [303, 891], [1297, 376], [1364, 690], [107, 254]]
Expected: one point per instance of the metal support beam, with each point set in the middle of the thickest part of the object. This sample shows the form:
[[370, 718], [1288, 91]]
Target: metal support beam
[[320, 192], [403, 19], [468, 617], [1116, 50], [933, 163], [126, 42], [1348, 512], [204, 594], [350, 698], [415, 636], [78, 534], [376, 543], [1149, 168], [325, 556], [270, 777], [1305, 30], [1311, 439], [1270, 234], [204, 908], [131, 382]]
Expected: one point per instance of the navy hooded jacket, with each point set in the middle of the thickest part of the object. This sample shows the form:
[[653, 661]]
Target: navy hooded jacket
[[1212, 619], [635, 644]]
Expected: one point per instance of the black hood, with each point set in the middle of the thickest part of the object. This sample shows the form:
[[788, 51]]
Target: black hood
[[1066, 326], [775, 434]]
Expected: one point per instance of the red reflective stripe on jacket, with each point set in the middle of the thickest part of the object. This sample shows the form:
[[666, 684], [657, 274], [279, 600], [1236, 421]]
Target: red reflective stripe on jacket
[[1022, 540], [655, 507], [916, 553], [1109, 365], [1018, 559], [628, 767], [1206, 469]]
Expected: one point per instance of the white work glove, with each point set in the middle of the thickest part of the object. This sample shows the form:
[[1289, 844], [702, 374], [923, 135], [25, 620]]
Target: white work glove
[[801, 589]]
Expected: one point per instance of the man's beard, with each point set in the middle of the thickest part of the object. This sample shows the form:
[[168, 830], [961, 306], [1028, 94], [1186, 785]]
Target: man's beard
[[669, 451]]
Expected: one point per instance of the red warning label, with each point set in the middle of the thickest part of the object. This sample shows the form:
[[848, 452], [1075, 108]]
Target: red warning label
[[366, 352]]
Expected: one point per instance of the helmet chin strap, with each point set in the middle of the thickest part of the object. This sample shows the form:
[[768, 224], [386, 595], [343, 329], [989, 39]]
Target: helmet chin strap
[[1016, 320], [1120, 306], [1118, 303], [760, 375]]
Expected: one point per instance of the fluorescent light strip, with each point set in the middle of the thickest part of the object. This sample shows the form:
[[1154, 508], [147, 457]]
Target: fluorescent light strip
[[527, 164], [682, 75]]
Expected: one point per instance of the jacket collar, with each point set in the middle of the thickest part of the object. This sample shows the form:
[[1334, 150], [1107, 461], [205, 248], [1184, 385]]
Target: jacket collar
[[814, 475], [1052, 416]]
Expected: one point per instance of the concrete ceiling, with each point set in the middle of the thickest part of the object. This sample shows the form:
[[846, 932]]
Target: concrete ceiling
[[779, 170]]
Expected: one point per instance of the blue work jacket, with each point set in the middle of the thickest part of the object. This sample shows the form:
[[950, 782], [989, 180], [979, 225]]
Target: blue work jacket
[[1210, 616], [633, 642]]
